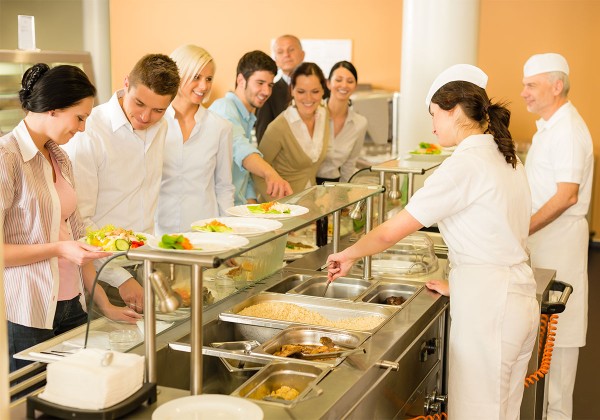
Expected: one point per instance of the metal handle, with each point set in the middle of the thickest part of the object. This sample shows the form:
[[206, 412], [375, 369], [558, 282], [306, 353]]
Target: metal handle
[[558, 307], [386, 364]]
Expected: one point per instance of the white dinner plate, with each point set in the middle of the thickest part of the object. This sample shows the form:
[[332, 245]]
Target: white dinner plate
[[208, 407], [244, 226], [425, 157], [300, 250], [242, 211], [114, 252], [204, 243]]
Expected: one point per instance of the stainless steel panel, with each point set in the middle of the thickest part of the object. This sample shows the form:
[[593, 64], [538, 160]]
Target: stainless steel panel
[[395, 391]]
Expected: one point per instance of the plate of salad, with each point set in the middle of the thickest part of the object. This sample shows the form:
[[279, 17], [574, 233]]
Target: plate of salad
[[115, 239], [428, 151], [197, 242], [269, 210], [243, 226]]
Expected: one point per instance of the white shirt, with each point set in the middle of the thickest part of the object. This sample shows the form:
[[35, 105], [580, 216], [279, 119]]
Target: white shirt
[[344, 149], [312, 146], [482, 205], [117, 174], [196, 181], [561, 151]]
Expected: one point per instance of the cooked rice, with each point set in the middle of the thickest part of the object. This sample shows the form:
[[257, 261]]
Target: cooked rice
[[295, 313]]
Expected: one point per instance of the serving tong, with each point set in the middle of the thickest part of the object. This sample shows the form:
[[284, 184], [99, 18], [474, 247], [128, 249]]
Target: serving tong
[[327, 355]]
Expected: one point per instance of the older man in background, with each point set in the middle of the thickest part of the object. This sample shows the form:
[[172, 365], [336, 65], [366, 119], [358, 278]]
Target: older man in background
[[559, 168], [288, 54]]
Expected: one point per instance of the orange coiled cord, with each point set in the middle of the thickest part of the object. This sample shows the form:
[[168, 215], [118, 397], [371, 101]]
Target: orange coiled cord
[[439, 416], [548, 348]]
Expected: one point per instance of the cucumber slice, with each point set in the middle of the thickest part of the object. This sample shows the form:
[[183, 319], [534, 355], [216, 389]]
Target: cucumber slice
[[121, 245]]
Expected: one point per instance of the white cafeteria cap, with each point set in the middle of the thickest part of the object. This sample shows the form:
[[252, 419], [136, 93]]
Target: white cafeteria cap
[[545, 63], [462, 72]]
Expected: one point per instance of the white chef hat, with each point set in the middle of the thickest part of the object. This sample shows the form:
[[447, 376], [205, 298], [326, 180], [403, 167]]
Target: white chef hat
[[545, 63], [462, 72]]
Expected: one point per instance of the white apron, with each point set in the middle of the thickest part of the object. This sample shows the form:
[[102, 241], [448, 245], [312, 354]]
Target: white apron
[[477, 307], [563, 246]]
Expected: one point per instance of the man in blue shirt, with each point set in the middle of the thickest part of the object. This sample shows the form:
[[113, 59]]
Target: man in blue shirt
[[253, 86]]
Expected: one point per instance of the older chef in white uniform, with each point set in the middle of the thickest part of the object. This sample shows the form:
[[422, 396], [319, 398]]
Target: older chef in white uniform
[[480, 199], [559, 168]]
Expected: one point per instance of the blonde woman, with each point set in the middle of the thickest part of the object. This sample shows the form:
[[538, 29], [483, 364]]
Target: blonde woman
[[296, 142], [196, 181]]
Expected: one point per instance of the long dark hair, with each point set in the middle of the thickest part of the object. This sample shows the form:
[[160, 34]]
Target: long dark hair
[[341, 64], [478, 108], [45, 89]]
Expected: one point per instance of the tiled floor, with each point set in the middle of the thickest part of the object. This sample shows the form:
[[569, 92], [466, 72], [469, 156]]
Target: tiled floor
[[587, 391]]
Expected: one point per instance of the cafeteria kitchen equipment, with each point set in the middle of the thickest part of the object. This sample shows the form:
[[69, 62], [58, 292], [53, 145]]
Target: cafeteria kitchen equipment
[[401, 368]]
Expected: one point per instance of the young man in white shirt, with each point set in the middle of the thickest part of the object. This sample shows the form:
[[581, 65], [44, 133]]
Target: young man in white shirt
[[117, 161]]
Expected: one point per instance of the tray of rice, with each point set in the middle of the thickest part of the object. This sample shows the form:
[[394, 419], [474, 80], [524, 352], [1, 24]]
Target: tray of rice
[[284, 310]]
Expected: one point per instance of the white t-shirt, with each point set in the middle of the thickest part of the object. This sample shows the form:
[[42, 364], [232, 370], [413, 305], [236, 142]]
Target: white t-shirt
[[196, 181], [344, 149], [561, 151], [481, 204]]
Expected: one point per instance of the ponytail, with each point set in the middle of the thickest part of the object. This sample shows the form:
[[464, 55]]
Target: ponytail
[[498, 121]]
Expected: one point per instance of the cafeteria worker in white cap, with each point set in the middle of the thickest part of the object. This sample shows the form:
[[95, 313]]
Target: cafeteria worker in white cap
[[480, 199], [559, 168]]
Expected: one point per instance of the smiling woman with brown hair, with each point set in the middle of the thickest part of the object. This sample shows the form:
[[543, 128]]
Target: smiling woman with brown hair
[[296, 142]]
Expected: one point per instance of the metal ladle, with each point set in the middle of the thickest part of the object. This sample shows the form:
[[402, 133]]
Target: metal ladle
[[326, 287]]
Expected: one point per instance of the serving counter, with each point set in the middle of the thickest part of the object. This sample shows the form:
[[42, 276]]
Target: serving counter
[[385, 369]]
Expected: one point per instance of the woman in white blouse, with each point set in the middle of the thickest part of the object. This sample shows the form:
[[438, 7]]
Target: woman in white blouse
[[196, 181], [347, 128], [296, 142]]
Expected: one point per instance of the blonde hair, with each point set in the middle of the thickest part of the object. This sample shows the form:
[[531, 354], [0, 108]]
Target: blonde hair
[[191, 60]]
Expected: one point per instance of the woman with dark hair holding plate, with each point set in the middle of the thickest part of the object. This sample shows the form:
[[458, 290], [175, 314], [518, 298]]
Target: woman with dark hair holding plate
[[43, 286], [480, 199]]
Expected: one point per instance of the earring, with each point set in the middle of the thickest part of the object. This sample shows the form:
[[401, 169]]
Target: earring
[[293, 102]]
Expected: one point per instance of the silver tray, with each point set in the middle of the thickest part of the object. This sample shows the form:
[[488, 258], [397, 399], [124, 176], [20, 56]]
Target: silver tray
[[332, 309], [300, 376], [346, 340], [383, 289], [342, 288]]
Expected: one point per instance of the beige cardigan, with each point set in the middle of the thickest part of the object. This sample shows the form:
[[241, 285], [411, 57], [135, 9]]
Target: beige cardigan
[[282, 151]]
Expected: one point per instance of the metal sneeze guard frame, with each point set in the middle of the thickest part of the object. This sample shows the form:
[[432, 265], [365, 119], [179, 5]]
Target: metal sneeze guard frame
[[321, 200]]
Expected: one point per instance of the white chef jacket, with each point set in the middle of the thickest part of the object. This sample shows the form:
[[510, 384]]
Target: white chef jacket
[[562, 151], [344, 149], [196, 181], [483, 206], [117, 174]]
